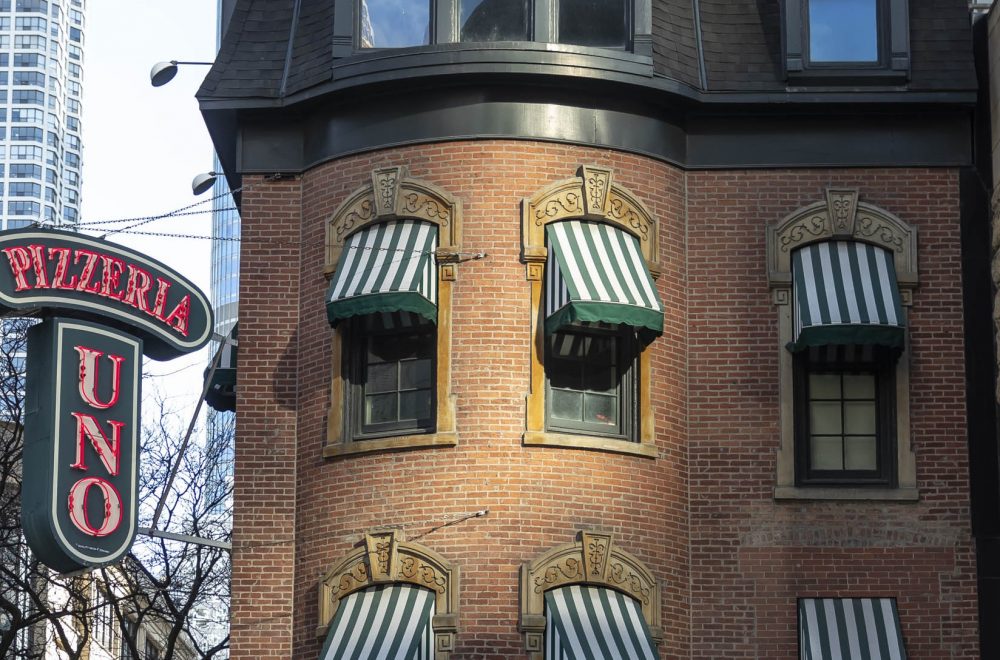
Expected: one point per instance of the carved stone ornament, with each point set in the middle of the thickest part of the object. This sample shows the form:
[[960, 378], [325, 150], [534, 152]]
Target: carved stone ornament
[[841, 217], [591, 195], [842, 207], [384, 556], [392, 194], [593, 559]]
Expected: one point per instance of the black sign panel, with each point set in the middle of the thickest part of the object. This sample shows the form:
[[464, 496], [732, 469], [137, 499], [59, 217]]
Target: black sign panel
[[81, 452], [88, 278]]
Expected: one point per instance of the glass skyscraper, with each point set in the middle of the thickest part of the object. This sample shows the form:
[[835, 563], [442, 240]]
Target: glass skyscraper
[[41, 77]]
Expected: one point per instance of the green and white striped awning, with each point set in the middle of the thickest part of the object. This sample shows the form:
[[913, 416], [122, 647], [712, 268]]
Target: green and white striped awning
[[388, 622], [596, 274], [221, 392], [388, 267], [845, 294], [584, 623], [850, 629]]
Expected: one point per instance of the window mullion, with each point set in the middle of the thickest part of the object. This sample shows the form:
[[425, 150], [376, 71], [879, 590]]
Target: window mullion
[[446, 19]]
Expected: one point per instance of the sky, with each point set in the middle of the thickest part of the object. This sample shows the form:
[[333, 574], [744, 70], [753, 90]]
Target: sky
[[142, 145]]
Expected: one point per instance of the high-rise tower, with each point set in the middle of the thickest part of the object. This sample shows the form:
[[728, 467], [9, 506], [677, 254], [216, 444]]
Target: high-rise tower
[[41, 77]]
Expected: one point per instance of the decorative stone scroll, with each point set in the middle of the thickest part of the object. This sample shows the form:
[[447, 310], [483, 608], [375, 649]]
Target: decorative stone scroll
[[384, 556], [592, 559], [393, 194], [594, 195], [842, 216]]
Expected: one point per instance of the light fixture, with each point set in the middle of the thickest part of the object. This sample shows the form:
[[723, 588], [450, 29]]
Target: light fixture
[[203, 182], [164, 72]]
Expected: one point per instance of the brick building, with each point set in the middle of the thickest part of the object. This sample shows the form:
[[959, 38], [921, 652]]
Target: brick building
[[574, 326]]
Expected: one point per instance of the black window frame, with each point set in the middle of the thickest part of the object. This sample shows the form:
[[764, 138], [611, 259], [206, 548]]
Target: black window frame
[[883, 366], [893, 63], [355, 351], [627, 377], [445, 27]]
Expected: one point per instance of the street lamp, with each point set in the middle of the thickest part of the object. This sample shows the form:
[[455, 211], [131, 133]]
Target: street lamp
[[164, 72], [203, 182]]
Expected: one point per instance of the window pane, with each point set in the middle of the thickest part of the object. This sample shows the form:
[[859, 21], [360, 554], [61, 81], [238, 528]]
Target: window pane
[[600, 379], [601, 409], [860, 453], [381, 377], [395, 23], [824, 386], [567, 405], [593, 23], [494, 20], [380, 408], [843, 30], [414, 374], [824, 417], [415, 405], [826, 454], [859, 386], [859, 417]]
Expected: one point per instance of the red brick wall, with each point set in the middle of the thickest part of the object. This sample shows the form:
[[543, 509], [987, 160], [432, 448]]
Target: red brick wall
[[751, 556], [264, 481], [731, 561]]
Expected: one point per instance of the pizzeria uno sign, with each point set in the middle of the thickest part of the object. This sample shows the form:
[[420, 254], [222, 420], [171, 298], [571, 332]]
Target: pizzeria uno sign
[[102, 307]]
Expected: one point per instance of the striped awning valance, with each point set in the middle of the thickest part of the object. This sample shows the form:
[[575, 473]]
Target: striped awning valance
[[388, 267], [851, 628], [596, 273], [583, 622], [388, 622], [845, 294], [221, 392]]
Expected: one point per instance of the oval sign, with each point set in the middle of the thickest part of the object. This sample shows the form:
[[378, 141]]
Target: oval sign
[[43, 271]]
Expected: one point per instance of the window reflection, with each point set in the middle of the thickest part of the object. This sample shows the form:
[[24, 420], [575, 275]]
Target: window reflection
[[395, 23], [843, 30], [601, 23], [494, 20]]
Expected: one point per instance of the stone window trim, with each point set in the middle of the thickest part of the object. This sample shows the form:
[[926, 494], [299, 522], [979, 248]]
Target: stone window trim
[[392, 194], [592, 559], [840, 216], [445, 28], [893, 66], [591, 195], [384, 556]]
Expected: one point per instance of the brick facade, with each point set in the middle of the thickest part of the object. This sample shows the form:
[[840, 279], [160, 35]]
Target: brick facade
[[731, 560]]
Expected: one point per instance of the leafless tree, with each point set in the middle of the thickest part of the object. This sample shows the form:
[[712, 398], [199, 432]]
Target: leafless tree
[[176, 592], [38, 608]]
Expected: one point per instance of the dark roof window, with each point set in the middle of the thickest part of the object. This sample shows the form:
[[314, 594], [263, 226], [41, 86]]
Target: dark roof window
[[395, 23], [494, 20]]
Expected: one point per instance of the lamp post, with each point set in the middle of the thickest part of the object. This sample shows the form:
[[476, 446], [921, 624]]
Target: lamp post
[[164, 72]]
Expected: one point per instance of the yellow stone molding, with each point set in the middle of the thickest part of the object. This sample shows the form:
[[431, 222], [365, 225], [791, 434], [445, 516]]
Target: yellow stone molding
[[384, 556], [591, 195], [592, 559]]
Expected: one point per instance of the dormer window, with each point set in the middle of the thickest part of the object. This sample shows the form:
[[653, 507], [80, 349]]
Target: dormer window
[[846, 42]]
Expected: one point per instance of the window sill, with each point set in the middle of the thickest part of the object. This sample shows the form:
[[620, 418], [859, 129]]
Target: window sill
[[398, 443], [543, 439], [858, 493]]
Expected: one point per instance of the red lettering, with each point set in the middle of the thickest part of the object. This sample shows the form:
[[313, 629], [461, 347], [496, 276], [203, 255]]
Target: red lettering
[[38, 262], [109, 451], [113, 269], [138, 286], [88, 377], [160, 303], [20, 262], [178, 318], [88, 271], [78, 506], [62, 266]]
